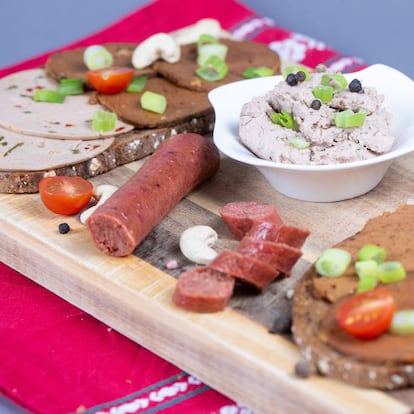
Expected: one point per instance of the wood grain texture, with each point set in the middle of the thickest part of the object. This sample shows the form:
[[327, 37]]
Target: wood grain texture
[[233, 350]]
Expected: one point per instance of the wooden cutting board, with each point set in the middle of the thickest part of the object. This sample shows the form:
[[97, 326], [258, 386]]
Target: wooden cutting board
[[232, 351]]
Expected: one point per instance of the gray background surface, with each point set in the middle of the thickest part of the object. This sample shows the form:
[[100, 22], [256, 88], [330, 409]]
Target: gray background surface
[[373, 30]]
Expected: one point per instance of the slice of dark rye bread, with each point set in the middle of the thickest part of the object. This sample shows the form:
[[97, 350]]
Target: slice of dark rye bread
[[126, 148], [386, 362]]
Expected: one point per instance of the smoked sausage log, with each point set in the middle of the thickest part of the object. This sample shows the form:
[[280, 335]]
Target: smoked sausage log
[[178, 165]]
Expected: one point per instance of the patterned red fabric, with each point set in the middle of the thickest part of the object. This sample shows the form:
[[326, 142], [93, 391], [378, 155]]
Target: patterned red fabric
[[55, 358]]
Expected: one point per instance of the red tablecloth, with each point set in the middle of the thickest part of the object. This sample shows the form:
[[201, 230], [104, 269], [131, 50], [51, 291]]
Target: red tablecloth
[[55, 358]]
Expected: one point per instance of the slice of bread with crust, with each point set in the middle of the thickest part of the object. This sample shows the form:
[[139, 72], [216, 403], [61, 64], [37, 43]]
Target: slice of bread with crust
[[386, 362]]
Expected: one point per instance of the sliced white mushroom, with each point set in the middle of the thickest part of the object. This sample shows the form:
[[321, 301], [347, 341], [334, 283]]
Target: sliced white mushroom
[[158, 46], [196, 242], [190, 34], [102, 193]]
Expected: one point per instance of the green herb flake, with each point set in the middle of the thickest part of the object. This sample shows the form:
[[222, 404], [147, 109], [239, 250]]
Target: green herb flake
[[19, 144]]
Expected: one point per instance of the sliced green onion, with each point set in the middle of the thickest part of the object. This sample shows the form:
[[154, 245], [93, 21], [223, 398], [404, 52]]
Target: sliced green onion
[[367, 271], [402, 322], [336, 80], [323, 92], [103, 121], [299, 142], [97, 57], [333, 262], [48, 95], [390, 272], [284, 119], [294, 69], [207, 50], [349, 118], [214, 69], [137, 84], [153, 102], [71, 86], [372, 252], [206, 38], [367, 283], [259, 72]]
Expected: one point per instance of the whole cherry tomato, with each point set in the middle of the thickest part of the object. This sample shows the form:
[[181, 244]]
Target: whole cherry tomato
[[367, 315], [65, 195], [110, 80]]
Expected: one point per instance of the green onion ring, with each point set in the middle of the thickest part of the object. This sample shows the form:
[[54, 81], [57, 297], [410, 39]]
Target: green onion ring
[[336, 80], [333, 262], [71, 86], [323, 93], [154, 102], [211, 49], [372, 252], [284, 119], [390, 272], [349, 118], [367, 271], [402, 322], [137, 84], [214, 69], [103, 121], [48, 95], [299, 142], [97, 57]]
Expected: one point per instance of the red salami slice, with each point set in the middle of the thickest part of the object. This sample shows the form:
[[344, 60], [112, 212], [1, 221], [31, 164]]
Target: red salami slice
[[246, 269], [203, 290], [293, 236], [241, 216], [280, 256]]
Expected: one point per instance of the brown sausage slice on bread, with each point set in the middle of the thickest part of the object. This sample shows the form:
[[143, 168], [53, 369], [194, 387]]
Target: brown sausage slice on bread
[[240, 56], [182, 105], [70, 64]]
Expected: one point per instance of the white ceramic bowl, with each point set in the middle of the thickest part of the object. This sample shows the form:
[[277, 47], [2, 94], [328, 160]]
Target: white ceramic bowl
[[321, 183]]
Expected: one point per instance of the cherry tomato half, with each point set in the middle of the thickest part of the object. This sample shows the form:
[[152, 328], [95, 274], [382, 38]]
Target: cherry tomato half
[[65, 195], [367, 315], [110, 80]]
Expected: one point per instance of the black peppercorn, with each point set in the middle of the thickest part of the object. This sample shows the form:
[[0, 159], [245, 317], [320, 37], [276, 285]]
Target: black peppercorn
[[316, 104], [301, 76], [355, 86], [64, 228], [291, 79]]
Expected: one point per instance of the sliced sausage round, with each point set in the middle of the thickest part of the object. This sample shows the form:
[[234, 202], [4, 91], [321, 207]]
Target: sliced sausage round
[[245, 269], [241, 216], [203, 290], [280, 256]]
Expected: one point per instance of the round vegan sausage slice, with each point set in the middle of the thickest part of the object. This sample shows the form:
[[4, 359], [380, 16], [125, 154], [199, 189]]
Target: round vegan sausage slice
[[203, 290], [178, 165], [245, 269], [280, 256], [293, 236], [241, 216]]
